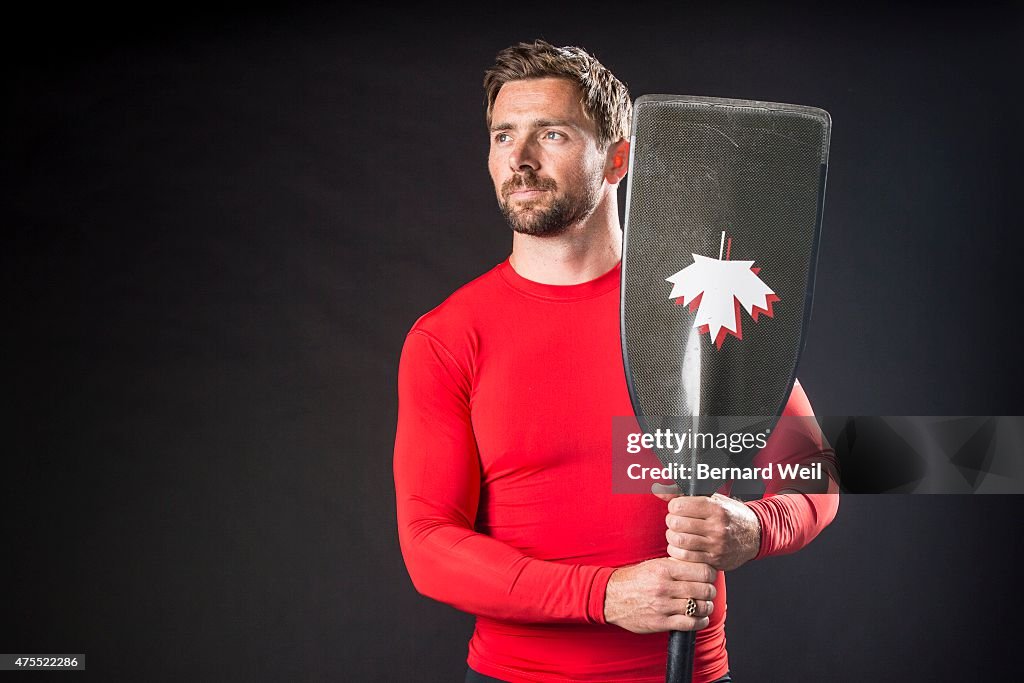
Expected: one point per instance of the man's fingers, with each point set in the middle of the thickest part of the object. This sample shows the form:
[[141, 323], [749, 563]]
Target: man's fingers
[[698, 507], [692, 525], [688, 541], [681, 622], [692, 572], [683, 590], [689, 525], [701, 608], [690, 555], [687, 580]]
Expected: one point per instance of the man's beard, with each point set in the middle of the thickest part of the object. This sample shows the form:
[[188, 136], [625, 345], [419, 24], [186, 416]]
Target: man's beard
[[563, 212]]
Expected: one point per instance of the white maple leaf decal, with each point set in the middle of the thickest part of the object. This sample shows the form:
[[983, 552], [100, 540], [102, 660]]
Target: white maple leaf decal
[[719, 288]]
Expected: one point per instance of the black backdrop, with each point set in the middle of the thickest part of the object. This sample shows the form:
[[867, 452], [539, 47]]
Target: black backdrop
[[221, 224]]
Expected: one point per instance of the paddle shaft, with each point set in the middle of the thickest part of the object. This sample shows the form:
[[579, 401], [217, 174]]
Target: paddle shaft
[[681, 644], [680, 656]]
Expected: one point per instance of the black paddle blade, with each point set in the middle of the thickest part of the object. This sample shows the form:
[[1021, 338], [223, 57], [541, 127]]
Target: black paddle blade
[[723, 214]]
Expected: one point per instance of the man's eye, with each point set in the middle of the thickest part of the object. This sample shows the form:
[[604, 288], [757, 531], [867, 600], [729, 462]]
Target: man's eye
[[502, 137], [553, 135]]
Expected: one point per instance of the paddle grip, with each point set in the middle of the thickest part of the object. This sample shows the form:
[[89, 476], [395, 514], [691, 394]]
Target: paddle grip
[[680, 657]]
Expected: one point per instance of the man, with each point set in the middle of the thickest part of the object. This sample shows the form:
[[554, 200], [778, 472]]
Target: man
[[506, 396]]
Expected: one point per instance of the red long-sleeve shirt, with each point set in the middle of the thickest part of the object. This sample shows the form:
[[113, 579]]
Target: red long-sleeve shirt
[[503, 481]]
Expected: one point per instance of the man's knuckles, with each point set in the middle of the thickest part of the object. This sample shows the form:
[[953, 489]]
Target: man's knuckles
[[694, 571], [690, 506]]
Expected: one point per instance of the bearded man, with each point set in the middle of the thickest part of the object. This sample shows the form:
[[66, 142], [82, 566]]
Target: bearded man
[[507, 392]]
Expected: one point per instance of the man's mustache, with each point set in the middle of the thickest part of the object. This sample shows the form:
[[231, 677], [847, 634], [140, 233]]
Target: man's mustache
[[526, 181]]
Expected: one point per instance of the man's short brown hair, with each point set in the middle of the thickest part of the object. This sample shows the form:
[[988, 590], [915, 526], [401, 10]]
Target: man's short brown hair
[[604, 97]]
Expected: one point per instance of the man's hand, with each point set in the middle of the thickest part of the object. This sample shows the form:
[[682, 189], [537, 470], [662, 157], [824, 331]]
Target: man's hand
[[651, 597], [715, 530]]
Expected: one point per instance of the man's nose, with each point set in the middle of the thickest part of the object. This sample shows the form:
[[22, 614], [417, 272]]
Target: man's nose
[[524, 156]]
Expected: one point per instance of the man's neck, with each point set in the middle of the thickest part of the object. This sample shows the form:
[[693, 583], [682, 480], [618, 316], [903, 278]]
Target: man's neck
[[582, 253]]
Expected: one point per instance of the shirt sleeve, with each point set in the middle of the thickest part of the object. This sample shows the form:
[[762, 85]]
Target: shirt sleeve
[[437, 485], [793, 513]]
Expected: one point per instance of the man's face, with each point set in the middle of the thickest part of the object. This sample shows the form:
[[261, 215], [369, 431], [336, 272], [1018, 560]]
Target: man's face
[[544, 159]]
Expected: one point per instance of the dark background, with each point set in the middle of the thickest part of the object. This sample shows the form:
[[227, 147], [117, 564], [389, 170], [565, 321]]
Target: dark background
[[221, 224]]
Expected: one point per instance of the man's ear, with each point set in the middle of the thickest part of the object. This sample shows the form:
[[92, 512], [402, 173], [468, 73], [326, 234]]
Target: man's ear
[[617, 161]]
